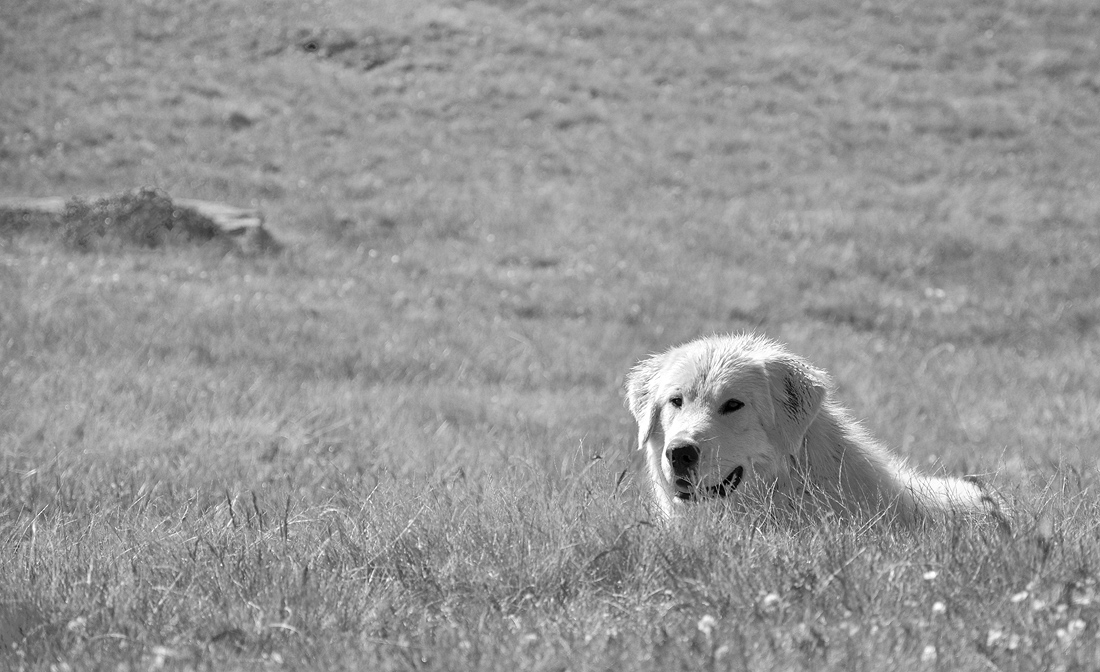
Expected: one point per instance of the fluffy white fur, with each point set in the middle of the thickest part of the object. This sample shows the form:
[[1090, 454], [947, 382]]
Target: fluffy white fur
[[723, 416]]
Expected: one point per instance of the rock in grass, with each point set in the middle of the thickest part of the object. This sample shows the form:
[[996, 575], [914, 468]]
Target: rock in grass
[[144, 217]]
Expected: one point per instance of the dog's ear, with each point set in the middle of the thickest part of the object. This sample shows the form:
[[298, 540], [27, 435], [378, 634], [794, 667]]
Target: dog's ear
[[796, 391], [641, 399]]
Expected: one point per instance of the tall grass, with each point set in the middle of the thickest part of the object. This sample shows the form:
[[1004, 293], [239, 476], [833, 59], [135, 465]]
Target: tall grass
[[506, 572]]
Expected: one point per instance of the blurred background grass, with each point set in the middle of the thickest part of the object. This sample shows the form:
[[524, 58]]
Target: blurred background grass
[[497, 208]]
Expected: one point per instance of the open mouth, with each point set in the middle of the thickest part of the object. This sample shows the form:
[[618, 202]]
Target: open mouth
[[728, 485]]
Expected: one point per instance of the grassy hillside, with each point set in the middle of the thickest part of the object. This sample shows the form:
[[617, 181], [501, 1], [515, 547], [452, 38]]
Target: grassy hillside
[[401, 443]]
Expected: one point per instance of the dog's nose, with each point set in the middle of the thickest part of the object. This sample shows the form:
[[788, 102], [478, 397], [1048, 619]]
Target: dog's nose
[[683, 457]]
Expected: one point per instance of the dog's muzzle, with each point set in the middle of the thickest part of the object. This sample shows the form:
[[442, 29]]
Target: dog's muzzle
[[688, 493], [682, 457]]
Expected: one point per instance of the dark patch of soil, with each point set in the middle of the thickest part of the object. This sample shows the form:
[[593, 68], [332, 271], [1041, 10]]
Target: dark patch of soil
[[360, 50], [145, 218]]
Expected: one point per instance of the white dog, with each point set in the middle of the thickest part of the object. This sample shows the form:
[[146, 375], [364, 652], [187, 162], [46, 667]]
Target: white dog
[[728, 414]]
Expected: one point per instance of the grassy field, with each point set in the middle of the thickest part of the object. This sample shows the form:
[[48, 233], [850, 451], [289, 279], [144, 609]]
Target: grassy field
[[401, 443]]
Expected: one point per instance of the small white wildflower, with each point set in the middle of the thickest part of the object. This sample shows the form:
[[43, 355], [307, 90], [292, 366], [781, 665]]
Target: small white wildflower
[[929, 654], [938, 608], [992, 637], [1069, 633], [1038, 605], [770, 601], [706, 625], [161, 654], [930, 575], [1019, 597]]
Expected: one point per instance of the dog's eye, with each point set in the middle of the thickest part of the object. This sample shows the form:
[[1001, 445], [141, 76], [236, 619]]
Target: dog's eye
[[676, 400], [730, 406]]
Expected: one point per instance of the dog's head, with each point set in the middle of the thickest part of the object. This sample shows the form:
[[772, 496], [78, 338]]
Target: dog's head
[[720, 410]]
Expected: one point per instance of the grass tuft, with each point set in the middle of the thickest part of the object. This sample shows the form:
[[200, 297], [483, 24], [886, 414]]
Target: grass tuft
[[142, 218]]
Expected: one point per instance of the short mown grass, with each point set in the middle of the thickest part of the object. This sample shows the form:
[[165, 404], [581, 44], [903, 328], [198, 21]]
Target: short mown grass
[[400, 442]]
